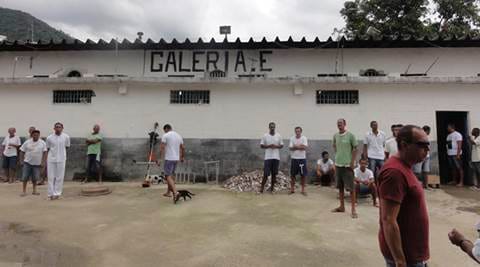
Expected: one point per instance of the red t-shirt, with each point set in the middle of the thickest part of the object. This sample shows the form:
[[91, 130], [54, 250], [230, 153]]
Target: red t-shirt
[[397, 183]]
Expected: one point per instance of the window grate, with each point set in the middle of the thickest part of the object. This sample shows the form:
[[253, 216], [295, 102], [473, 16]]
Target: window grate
[[73, 96], [189, 97], [337, 97]]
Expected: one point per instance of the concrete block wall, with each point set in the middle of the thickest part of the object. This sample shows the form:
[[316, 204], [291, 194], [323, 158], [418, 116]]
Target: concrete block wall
[[235, 156]]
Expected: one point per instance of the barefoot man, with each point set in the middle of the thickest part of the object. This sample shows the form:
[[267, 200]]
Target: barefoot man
[[345, 147], [172, 150], [33, 155]]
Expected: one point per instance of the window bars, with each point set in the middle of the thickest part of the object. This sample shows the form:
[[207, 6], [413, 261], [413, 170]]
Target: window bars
[[73, 96], [337, 97], [189, 97]]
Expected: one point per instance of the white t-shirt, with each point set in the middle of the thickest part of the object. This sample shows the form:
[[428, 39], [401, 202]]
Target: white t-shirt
[[11, 151], [33, 151], [298, 154], [391, 146], [375, 145], [57, 147], [476, 150], [268, 139], [325, 166], [476, 250], [367, 175], [172, 141], [452, 145]]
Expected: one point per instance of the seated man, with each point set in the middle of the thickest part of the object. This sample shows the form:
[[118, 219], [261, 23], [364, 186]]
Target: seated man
[[470, 248], [326, 170], [365, 182]]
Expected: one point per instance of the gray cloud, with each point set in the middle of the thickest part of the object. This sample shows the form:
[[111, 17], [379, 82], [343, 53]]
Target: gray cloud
[[180, 19]]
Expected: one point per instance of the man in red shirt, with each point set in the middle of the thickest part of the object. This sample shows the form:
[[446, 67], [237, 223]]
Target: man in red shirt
[[403, 234]]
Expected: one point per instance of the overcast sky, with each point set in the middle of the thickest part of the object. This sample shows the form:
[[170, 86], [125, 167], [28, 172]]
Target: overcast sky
[[179, 19]]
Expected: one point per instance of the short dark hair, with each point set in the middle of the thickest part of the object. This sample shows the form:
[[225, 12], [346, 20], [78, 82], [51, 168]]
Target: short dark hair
[[372, 122], [58, 123], [167, 127], [342, 119], [476, 131], [298, 127], [451, 125], [406, 135], [271, 123], [324, 153], [35, 131], [363, 159], [426, 128]]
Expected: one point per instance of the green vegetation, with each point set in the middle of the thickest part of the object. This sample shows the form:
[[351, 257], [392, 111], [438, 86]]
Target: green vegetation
[[17, 25]]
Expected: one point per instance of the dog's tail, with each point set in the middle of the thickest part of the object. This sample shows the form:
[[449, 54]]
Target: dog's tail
[[190, 193]]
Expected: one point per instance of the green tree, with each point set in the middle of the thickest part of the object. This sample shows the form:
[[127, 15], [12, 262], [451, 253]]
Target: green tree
[[412, 17], [393, 17], [455, 17]]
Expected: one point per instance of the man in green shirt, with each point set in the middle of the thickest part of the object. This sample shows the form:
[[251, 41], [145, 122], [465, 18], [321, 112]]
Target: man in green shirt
[[94, 147], [345, 147]]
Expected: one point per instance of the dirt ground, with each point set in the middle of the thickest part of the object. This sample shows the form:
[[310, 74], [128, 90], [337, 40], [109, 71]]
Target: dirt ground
[[139, 227]]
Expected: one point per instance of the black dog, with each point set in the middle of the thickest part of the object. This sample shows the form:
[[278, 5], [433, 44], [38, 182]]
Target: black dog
[[184, 194]]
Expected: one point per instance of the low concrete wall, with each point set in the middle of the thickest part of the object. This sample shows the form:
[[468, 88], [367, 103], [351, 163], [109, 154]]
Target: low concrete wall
[[235, 156]]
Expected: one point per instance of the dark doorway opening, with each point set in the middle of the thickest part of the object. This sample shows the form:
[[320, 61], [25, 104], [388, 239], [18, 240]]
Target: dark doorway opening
[[460, 120]]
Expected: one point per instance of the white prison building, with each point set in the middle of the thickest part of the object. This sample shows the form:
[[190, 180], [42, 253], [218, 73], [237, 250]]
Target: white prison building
[[220, 96]]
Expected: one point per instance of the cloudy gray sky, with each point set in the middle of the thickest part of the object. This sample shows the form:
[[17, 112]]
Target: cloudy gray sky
[[186, 18]]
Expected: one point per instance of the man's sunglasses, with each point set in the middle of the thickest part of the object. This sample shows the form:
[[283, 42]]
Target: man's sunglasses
[[422, 144]]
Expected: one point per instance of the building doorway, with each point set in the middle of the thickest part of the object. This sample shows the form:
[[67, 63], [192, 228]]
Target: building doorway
[[460, 120]]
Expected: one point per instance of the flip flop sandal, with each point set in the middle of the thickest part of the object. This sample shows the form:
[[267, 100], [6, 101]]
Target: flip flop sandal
[[337, 210]]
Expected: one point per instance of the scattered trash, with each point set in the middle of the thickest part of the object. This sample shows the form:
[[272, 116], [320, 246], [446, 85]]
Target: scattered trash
[[252, 181]]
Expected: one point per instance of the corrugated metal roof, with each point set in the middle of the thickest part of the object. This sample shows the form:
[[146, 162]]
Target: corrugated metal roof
[[174, 44]]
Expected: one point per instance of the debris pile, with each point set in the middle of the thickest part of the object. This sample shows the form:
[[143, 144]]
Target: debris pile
[[252, 181]]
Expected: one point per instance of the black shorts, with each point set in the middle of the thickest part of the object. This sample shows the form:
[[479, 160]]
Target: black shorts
[[298, 167], [270, 167]]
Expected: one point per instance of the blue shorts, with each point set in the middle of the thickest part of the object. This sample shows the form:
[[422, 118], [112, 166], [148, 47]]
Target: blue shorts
[[364, 189], [30, 172], [169, 167], [298, 167], [454, 162], [10, 162]]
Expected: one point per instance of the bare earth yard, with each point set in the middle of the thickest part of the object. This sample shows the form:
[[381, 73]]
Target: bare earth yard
[[139, 227]]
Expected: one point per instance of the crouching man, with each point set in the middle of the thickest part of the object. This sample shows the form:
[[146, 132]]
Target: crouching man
[[365, 181]]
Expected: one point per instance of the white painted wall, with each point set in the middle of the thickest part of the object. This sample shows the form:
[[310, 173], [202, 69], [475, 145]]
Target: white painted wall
[[236, 111], [452, 62]]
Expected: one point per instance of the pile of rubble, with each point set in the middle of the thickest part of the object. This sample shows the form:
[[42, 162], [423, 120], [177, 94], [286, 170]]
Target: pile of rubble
[[252, 181]]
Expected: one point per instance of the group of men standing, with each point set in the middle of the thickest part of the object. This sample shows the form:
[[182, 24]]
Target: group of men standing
[[356, 180], [403, 240], [48, 156]]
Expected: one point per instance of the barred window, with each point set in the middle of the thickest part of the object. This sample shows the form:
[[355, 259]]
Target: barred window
[[337, 97], [73, 96], [189, 97]]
